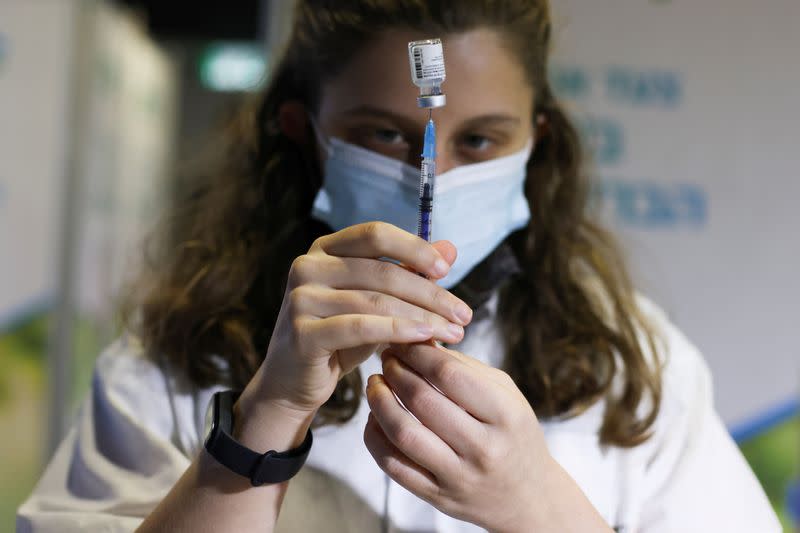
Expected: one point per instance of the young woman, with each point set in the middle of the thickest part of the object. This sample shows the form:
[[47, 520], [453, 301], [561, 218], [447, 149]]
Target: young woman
[[556, 399]]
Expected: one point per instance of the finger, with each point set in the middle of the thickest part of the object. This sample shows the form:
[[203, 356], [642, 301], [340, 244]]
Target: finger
[[447, 250], [434, 410], [495, 374], [409, 436], [380, 276], [324, 302], [380, 239], [470, 387], [396, 464], [338, 332]]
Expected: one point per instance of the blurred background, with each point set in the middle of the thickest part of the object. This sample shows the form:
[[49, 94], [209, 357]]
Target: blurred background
[[690, 110]]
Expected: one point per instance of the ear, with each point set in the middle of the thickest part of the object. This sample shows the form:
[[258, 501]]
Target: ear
[[293, 121], [541, 128]]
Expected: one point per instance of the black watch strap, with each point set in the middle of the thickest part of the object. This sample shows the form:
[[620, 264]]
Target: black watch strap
[[270, 467]]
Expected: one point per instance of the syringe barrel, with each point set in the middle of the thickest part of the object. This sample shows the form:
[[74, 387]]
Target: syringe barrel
[[426, 190]]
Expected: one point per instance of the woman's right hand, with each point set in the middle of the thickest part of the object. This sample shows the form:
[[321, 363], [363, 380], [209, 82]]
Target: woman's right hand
[[342, 302]]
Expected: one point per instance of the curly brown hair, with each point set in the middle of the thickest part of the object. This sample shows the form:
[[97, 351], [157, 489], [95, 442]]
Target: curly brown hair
[[209, 296]]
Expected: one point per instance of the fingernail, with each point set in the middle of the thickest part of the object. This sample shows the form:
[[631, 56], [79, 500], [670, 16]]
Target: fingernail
[[423, 331], [372, 380], [463, 313], [441, 268], [455, 331]]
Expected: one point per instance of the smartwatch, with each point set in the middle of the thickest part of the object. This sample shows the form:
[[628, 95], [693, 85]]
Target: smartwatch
[[270, 467]]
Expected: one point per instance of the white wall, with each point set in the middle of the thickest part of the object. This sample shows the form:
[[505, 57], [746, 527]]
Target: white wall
[[694, 108], [126, 157], [36, 40], [87, 122]]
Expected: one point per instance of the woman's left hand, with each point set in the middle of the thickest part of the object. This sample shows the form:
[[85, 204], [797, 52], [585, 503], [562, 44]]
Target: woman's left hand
[[475, 451]]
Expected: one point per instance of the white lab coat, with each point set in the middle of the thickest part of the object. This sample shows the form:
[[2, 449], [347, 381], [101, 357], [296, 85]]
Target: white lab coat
[[140, 427]]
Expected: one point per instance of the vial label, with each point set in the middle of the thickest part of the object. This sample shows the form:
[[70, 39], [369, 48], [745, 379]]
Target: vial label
[[428, 60]]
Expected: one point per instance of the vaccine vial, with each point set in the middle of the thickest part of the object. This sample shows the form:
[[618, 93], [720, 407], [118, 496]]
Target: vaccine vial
[[426, 59]]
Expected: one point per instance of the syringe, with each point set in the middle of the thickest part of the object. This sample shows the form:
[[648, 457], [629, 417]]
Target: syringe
[[426, 59], [427, 180]]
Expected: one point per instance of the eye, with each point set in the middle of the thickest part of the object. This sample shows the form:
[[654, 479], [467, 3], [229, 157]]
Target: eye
[[475, 147], [388, 136], [384, 139], [476, 142]]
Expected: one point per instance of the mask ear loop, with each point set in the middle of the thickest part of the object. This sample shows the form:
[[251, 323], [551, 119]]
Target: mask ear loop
[[321, 138], [308, 150]]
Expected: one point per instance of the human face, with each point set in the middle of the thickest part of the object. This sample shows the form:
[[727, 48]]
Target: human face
[[373, 103]]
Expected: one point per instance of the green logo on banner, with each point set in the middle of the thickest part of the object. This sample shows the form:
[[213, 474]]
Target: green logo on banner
[[232, 67]]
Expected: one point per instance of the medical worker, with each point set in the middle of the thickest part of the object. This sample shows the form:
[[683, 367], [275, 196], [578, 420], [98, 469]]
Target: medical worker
[[283, 354]]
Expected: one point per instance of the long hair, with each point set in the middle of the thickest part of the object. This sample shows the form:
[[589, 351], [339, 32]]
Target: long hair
[[212, 287]]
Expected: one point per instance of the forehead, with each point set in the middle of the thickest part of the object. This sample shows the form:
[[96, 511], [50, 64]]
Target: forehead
[[482, 77]]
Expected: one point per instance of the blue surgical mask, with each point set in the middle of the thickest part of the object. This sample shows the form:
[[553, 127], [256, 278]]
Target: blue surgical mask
[[476, 206]]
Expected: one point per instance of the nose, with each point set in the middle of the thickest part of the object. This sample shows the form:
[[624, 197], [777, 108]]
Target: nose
[[445, 161]]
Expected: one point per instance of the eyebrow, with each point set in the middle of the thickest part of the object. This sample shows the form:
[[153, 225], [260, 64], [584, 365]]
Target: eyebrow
[[492, 119], [482, 120]]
